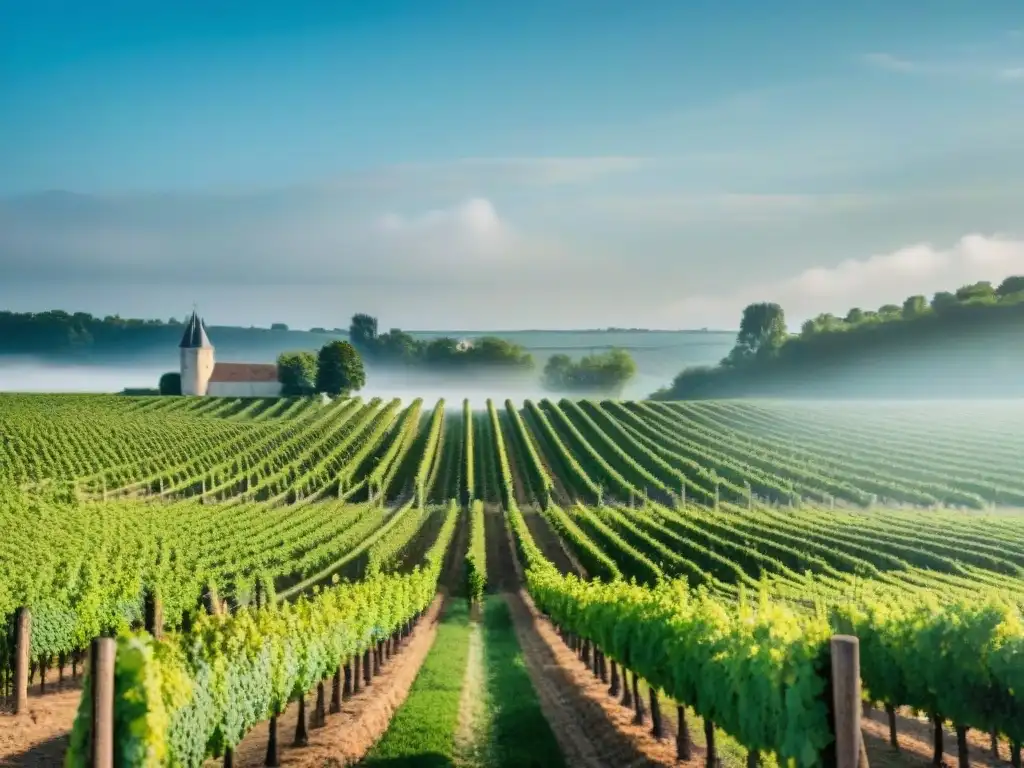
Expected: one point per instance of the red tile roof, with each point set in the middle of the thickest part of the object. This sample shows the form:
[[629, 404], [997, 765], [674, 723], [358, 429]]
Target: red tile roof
[[261, 372]]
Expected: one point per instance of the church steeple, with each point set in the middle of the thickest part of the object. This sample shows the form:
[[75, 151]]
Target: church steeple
[[195, 334]]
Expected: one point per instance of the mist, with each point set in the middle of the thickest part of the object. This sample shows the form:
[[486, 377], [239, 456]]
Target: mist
[[32, 375], [453, 387]]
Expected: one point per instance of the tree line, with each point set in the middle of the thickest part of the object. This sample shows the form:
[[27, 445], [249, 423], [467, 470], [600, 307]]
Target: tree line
[[766, 354], [397, 347]]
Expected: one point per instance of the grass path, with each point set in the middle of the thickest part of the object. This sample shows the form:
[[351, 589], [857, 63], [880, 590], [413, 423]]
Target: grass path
[[518, 733], [471, 736], [472, 704], [422, 732]]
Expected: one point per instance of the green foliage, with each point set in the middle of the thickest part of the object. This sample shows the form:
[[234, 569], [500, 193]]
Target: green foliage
[[914, 306], [765, 361], [232, 671], [297, 372], [1010, 286], [476, 556], [339, 369], [605, 374], [170, 383], [396, 347], [762, 332]]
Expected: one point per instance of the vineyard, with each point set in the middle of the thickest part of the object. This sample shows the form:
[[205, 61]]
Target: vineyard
[[698, 556]]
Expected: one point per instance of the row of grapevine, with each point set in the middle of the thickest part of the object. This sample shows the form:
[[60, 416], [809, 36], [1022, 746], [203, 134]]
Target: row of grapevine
[[196, 694]]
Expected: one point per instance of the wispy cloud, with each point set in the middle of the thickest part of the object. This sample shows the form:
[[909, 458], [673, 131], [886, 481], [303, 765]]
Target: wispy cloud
[[894, 63], [970, 68]]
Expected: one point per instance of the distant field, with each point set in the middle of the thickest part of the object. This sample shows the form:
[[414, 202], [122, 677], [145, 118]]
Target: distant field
[[357, 508]]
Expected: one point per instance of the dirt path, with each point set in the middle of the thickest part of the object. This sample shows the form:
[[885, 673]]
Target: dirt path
[[363, 719], [593, 731], [551, 543], [471, 749], [915, 740], [39, 737], [501, 571], [591, 728]]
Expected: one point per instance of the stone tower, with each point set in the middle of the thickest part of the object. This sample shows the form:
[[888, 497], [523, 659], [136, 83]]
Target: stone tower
[[196, 357]]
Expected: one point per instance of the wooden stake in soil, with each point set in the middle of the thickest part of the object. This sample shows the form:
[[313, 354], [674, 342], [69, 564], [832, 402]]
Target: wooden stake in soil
[[683, 744], [356, 673], [709, 739], [346, 692], [753, 758], [273, 758], [627, 692], [937, 749], [367, 668], [101, 732], [320, 713], [229, 757], [846, 701], [336, 691], [301, 735], [22, 643], [638, 702], [890, 712], [657, 729], [1015, 754], [613, 691], [961, 747]]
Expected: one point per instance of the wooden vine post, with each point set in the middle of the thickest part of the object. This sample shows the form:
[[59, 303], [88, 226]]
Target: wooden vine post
[[22, 645], [101, 731], [846, 703]]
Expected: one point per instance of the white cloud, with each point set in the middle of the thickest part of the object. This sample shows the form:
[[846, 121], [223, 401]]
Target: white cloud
[[868, 283], [466, 231]]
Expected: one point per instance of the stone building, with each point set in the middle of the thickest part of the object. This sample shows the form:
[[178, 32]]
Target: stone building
[[202, 375]]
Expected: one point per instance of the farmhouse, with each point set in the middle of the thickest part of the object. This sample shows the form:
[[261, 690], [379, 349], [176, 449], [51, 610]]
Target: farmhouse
[[202, 375]]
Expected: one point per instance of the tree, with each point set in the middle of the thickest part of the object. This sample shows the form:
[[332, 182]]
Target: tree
[[889, 311], [1011, 285], [170, 383], [398, 345], [981, 290], [943, 300], [914, 306], [605, 374], [558, 372], [762, 331], [363, 331], [854, 316], [278, 327], [441, 351], [297, 373], [340, 369]]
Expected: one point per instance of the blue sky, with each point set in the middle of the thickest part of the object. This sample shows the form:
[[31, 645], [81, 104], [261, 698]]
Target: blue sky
[[500, 164]]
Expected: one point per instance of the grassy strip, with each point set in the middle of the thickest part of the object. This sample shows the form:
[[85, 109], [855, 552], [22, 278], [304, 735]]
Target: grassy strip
[[422, 732], [518, 733]]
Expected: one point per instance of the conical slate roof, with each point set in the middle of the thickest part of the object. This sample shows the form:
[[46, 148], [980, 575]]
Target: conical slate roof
[[195, 334]]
